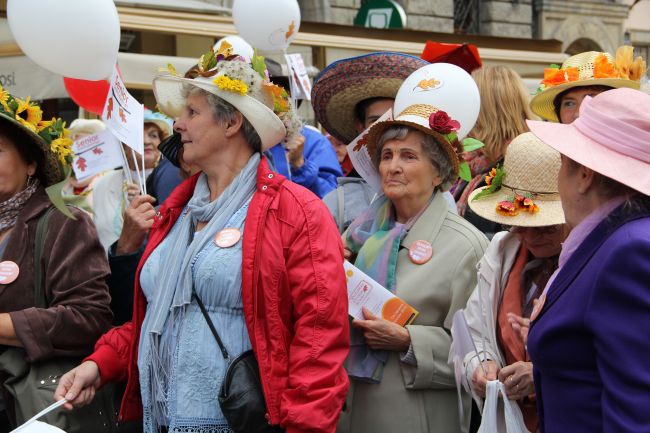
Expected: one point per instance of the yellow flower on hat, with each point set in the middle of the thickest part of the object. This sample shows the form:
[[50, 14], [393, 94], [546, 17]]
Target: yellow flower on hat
[[62, 147], [28, 113], [228, 84], [4, 98], [45, 124]]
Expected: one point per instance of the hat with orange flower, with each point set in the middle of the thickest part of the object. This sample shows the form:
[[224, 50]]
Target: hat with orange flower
[[591, 68], [50, 137]]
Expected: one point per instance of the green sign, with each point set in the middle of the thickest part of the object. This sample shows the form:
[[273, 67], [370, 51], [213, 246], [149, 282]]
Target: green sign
[[381, 14]]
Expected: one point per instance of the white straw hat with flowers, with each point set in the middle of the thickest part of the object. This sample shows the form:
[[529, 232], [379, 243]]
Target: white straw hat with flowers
[[242, 83], [441, 100], [524, 192], [591, 68]]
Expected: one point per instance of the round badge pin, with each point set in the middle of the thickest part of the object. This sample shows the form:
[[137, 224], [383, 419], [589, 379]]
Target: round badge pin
[[420, 252], [8, 272], [539, 305], [226, 238]]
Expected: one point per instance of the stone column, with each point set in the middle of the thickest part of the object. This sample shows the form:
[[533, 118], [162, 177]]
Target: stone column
[[507, 18]]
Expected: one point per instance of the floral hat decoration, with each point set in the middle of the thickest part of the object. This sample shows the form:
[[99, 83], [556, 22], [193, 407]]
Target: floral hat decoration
[[591, 68], [49, 136], [242, 83], [437, 123], [524, 191], [432, 100]]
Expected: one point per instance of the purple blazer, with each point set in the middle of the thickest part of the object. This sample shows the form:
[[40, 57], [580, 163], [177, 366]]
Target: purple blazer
[[590, 345]]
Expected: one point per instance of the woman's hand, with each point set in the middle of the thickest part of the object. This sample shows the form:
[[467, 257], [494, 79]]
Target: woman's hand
[[381, 334], [138, 219], [480, 379], [294, 151], [132, 190], [518, 379], [347, 254], [520, 326], [78, 385]]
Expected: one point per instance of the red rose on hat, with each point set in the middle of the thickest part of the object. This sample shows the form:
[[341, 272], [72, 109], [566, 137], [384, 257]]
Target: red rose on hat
[[442, 123]]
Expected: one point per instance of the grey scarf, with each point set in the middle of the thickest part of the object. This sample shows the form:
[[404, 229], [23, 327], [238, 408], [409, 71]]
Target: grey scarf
[[174, 291]]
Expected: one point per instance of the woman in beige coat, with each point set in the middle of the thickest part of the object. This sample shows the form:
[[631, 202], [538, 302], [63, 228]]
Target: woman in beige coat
[[411, 243]]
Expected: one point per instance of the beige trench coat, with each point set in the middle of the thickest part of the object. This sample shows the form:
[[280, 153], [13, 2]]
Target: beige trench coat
[[423, 398]]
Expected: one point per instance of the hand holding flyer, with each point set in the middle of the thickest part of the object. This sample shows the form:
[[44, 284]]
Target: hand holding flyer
[[363, 291]]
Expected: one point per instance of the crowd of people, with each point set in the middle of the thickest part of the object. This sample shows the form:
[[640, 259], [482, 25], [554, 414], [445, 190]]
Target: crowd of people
[[236, 253]]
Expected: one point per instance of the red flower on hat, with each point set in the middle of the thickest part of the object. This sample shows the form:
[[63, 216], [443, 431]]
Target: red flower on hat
[[442, 123]]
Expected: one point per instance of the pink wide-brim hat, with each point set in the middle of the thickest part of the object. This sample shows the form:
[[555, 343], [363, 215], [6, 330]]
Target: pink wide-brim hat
[[611, 136]]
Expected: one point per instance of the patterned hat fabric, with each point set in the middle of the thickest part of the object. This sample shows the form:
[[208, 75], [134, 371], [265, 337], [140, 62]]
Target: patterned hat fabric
[[345, 83]]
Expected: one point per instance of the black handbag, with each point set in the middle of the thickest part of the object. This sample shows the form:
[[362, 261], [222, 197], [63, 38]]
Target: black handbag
[[241, 397]]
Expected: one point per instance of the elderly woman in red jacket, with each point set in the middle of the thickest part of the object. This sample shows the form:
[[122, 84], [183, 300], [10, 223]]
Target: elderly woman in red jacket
[[262, 253]]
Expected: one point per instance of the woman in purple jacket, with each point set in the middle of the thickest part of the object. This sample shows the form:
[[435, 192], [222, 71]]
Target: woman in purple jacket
[[588, 337]]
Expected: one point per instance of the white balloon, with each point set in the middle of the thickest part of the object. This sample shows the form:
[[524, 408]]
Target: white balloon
[[446, 87], [269, 26], [239, 46], [74, 38]]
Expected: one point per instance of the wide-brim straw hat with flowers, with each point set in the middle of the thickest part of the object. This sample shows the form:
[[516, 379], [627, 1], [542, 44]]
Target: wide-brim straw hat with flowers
[[591, 68], [243, 84], [524, 192], [343, 84], [50, 137], [431, 121]]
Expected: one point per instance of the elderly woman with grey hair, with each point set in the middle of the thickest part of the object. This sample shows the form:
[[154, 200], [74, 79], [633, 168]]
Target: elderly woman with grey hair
[[411, 243], [238, 259]]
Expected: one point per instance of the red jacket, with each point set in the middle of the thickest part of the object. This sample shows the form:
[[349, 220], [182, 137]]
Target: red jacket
[[294, 300]]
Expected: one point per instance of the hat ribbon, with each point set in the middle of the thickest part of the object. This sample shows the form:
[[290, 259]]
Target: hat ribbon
[[537, 195], [612, 133]]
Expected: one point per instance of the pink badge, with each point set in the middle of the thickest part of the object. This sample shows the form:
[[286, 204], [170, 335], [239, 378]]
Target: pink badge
[[226, 238], [8, 272], [539, 305], [420, 252]]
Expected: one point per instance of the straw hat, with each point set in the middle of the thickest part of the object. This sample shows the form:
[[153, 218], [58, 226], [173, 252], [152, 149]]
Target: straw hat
[[611, 136], [236, 81], [344, 84], [525, 191], [421, 117], [440, 100], [50, 137], [591, 68]]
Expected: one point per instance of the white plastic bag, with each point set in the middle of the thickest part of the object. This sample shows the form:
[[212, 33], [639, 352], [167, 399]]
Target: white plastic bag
[[500, 415]]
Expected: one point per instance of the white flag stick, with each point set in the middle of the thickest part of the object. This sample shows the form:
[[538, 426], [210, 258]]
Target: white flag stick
[[44, 412], [144, 176], [137, 169]]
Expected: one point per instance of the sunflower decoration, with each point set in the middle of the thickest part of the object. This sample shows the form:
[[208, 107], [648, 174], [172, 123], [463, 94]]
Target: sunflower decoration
[[55, 133], [28, 113], [4, 99], [493, 180]]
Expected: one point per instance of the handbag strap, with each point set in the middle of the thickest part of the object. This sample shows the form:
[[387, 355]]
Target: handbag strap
[[224, 352], [40, 297]]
